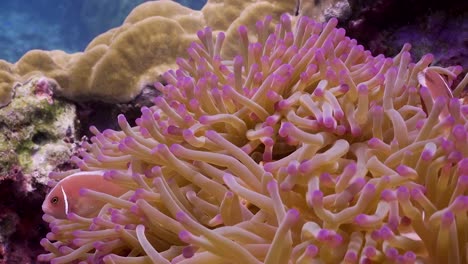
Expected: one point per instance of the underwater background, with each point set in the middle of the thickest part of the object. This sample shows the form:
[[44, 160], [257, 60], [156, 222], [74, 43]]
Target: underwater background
[[40, 131]]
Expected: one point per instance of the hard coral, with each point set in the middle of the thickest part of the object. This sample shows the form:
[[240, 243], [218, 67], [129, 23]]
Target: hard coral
[[116, 65], [305, 148], [119, 63], [7, 79]]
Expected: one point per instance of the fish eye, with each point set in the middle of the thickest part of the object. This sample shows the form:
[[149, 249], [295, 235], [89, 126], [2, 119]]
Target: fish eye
[[54, 200]]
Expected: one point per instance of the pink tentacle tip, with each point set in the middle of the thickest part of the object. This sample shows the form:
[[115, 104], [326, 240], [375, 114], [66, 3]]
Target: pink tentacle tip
[[267, 141], [326, 179], [156, 170], [122, 120], [417, 193], [129, 141], [329, 122], [201, 35], [109, 175], [340, 130], [188, 251], [351, 168], [185, 236], [45, 258], [174, 130], [274, 96], [238, 61], [319, 91], [51, 236], [351, 257], [362, 89], [391, 253], [72, 216], [386, 233], [176, 149], [323, 235], [272, 186], [356, 131], [284, 18], [99, 245], [361, 219], [463, 166], [204, 120], [188, 134], [459, 132], [336, 240], [406, 171], [409, 257], [428, 58], [338, 114], [375, 235], [228, 178], [317, 197], [463, 181], [227, 90], [56, 229], [134, 209], [211, 134], [447, 219], [403, 193], [370, 251], [84, 191], [269, 167], [242, 31], [460, 203], [181, 217], [229, 195], [369, 189], [162, 149], [259, 25], [427, 154], [285, 129], [455, 156], [311, 251], [51, 183], [293, 167]]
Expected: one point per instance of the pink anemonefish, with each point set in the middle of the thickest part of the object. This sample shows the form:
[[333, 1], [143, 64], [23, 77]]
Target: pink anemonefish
[[65, 197], [436, 84]]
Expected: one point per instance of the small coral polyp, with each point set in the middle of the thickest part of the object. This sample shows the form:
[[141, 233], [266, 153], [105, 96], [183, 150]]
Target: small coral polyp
[[305, 148]]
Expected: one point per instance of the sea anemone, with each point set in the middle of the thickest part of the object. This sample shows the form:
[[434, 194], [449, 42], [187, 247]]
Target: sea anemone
[[305, 148]]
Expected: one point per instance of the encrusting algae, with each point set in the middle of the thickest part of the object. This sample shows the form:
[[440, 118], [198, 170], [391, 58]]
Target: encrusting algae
[[304, 148]]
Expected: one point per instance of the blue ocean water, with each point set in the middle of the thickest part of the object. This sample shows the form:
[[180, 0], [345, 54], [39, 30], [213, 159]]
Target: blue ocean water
[[67, 25]]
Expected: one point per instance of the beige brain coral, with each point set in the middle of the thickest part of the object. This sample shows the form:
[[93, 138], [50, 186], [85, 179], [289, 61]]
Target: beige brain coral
[[114, 67], [7, 79], [117, 64]]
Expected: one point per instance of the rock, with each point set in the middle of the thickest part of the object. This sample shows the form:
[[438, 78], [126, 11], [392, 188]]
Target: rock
[[36, 135]]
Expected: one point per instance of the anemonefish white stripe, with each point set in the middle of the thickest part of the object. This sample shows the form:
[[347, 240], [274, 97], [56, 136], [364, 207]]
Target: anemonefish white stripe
[[65, 200]]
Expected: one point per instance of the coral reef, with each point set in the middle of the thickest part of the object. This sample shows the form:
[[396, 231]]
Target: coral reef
[[304, 148], [438, 27], [7, 80], [33, 128], [113, 69], [21, 227]]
